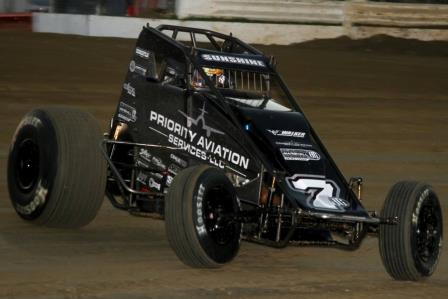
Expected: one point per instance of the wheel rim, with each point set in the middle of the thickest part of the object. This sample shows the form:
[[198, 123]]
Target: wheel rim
[[27, 165], [219, 212], [428, 234]]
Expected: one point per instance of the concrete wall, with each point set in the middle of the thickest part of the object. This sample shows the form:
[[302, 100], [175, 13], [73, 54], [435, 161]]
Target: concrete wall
[[399, 15], [311, 11], [92, 25], [317, 11], [260, 33], [310, 20]]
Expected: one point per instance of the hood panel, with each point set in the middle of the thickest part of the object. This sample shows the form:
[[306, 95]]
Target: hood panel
[[286, 139]]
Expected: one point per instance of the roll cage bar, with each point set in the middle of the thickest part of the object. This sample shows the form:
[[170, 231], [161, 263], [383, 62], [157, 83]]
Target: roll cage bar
[[229, 40]]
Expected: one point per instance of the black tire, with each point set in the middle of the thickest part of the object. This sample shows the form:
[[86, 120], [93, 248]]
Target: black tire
[[56, 173], [199, 210], [411, 249]]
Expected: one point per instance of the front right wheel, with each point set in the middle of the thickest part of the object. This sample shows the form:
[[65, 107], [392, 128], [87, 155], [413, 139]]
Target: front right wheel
[[410, 250], [200, 222]]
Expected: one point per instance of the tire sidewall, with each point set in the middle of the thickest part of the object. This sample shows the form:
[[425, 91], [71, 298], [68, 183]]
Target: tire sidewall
[[209, 179], [424, 196], [37, 127]]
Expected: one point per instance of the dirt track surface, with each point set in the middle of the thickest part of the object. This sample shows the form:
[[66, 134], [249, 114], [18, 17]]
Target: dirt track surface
[[380, 106]]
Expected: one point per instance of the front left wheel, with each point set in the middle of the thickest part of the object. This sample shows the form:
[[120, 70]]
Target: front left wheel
[[200, 217]]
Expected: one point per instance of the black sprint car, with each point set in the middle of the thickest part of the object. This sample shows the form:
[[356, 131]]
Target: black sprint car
[[207, 136]]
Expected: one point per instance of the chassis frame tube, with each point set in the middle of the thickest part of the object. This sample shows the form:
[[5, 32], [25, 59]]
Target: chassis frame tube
[[115, 171]]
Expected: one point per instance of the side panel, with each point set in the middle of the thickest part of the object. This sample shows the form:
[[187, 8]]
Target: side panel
[[199, 131]]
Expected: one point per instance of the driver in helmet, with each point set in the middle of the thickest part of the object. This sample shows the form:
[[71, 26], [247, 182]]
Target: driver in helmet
[[215, 75]]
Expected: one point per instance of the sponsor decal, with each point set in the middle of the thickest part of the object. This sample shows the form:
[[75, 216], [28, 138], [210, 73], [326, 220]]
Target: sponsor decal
[[418, 207], [197, 145], [233, 59], [153, 184], [200, 225], [142, 178], [321, 192], [158, 162], [38, 200], [142, 164], [145, 155], [130, 90], [156, 175], [141, 52], [29, 120], [169, 180], [285, 133], [178, 160], [295, 154], [195, 121], [292, 143], [173, 169], [148, 181], [127, 112], [133, 67]]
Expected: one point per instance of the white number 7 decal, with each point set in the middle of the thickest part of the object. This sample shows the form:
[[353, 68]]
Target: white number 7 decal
[[322, 193]]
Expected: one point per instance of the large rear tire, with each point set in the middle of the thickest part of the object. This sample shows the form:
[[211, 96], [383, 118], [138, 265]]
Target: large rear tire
[[411, 249], [200, 211], [56, 173]]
